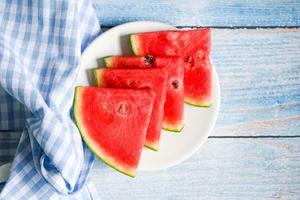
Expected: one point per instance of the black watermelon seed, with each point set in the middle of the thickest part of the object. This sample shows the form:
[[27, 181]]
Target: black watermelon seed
[[175, 84], [148, 60], [188, 59]]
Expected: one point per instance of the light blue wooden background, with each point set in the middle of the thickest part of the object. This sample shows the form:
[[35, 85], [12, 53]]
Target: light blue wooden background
[[254, 150]]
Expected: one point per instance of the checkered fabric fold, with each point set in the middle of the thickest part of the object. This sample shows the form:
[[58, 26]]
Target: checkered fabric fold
[[41, 42]]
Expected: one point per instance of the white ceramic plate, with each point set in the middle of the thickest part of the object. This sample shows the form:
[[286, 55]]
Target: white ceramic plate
[[174, 148]]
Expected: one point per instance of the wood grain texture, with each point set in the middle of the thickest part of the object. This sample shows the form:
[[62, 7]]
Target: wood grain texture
[[231, 13], [222, 169], [259, 73]]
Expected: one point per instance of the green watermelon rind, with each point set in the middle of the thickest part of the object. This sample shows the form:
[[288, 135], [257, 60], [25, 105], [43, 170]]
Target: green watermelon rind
[[173, 130], [96, 73], [107, 61], [151, 147], [133, 42], [198, 104], [90, 146]]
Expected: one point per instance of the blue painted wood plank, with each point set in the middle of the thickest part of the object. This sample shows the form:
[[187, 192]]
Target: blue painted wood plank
[[201, 13], [221, 169], [259, 73]]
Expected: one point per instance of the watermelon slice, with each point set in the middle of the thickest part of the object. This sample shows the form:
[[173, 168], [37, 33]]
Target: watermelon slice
[[194, 47], [113, 123], [173, 109], [155, 79]]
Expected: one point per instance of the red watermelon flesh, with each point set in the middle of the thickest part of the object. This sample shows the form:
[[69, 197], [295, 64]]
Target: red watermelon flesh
[[173, 109], [194, 47], [155, 79], [113, 123]]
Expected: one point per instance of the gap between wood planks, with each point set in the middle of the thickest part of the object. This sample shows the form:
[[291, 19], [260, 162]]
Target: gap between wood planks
[[239, 27], [258, 136], [223, 27]]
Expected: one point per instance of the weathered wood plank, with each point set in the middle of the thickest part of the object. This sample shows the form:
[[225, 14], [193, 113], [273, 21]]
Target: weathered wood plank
[[201, 13], [222, 169], [259, 73]]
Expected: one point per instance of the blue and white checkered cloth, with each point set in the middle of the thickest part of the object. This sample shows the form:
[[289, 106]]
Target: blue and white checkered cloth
[[41, 42]]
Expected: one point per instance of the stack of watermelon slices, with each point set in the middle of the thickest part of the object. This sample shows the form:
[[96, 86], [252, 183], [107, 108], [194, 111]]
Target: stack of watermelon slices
[[138, 95]]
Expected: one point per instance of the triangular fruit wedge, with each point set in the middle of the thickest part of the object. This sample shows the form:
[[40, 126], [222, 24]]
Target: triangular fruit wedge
[[113, 123], [155, 79], [174, 108], [194, 47]]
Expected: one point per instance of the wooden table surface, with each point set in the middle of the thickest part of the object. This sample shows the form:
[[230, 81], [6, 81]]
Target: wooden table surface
[[254, 149]]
